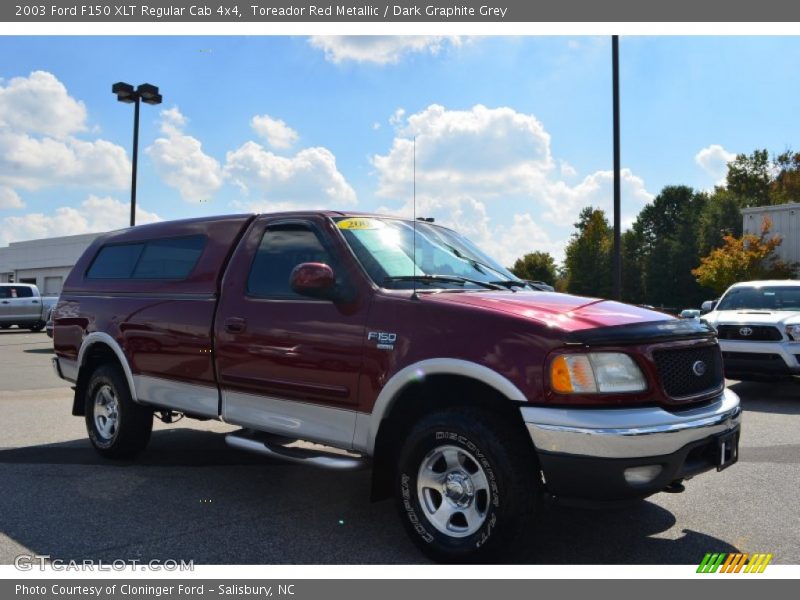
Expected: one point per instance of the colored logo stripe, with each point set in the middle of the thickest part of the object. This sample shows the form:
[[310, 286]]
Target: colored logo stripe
[[734, 563]]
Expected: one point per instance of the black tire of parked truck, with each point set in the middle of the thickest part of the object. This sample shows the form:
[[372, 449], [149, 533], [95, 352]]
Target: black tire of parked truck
[[37, 327], [118, 427], [467, 486]]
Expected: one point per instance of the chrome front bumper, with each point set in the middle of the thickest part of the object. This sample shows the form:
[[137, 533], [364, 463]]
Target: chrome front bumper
[[628, 432]]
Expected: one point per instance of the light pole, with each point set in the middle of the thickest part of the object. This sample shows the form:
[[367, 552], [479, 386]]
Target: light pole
[[149, 95], [616, 262]]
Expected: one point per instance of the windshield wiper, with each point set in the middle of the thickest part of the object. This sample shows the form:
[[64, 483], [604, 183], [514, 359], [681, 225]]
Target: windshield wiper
[[510, 283], [444, 278]]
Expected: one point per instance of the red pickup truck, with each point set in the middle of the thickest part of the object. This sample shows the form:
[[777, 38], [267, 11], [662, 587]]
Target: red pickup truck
[[395, 344]]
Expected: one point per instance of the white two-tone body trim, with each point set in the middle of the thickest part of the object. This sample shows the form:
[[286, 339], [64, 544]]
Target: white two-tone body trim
[[367, 424], [97, 337], [65, 368], [166, 393], [192, 398], [301, 420]]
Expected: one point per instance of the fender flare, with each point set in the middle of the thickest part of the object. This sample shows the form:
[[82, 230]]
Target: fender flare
[[99, 337], [367, 425]]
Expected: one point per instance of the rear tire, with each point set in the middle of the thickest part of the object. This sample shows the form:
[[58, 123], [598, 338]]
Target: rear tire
[[37, 327], [467, 486], [118, 427]]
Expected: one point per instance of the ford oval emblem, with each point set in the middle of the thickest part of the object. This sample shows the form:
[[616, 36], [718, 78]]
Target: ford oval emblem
[[699, 368], [745, 331]]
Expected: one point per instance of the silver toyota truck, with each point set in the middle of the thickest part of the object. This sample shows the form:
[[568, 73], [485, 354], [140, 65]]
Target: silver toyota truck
[[22, 305]]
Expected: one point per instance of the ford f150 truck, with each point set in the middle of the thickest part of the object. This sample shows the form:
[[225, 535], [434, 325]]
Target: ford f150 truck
[[396, 344], [22, 305], [758, 327]]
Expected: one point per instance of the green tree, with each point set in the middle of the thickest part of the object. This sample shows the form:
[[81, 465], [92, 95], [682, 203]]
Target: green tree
[[588, 255], [632, 269], [666, 248], [536, 266], [757, 180], [786, 183], [749, 178], [720, 217], [746, 258]]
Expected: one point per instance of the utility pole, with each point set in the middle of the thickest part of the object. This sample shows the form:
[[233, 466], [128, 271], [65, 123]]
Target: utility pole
[[616, 261]]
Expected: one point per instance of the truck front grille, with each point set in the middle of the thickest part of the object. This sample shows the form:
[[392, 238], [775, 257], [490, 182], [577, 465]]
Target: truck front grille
[[688, 372], [749, 333]]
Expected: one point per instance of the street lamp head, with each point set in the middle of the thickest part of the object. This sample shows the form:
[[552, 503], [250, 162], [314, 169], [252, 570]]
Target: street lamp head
[[148, 93], [124, 92], [154, 99]]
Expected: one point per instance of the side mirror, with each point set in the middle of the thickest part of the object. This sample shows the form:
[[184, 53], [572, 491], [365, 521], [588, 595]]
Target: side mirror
[[708, 306], [315, 280]]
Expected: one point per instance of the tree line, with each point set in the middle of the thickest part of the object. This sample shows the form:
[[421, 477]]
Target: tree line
[[685, 246]]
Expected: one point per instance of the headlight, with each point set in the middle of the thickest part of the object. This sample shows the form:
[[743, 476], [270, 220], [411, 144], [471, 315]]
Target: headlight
[[793, 331], [597, 372]]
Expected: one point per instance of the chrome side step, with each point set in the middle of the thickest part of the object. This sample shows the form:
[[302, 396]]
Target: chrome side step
[[262, 444]]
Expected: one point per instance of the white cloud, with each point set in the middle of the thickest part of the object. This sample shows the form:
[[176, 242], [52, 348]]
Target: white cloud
[[40, 104], [33, 163], [481, 161], [10, 199], [714, 160], [482, 150], [95, 214], [567, 170], [309, 179], [396, 120], [180, 161], [379, 49], [277, 133], [38, 118], [564, 201]]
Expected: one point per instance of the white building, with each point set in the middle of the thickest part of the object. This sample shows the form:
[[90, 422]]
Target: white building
[[44, 262], [785, 222]]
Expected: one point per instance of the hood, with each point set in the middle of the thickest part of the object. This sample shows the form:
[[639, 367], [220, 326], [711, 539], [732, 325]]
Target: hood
[[563, 311], [752, 317]]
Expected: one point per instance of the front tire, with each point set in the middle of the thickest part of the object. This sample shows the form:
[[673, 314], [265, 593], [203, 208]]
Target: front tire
[[118, 427], [467, 486]]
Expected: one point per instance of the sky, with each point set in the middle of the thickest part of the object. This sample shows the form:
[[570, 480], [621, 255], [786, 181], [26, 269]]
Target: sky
[[512, 135]]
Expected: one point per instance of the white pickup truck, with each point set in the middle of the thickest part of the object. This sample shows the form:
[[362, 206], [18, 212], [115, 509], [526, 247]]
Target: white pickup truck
[[21, 304], [758, 326]]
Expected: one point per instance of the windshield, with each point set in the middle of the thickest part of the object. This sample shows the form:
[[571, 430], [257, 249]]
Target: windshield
[[761, 298], [385, 247]]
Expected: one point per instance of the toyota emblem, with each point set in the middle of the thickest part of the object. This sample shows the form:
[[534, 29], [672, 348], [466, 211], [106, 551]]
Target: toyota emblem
[[699, 368], [745, 331]]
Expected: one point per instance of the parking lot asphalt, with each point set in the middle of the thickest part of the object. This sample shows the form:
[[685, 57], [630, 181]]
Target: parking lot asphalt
[[191, 497]]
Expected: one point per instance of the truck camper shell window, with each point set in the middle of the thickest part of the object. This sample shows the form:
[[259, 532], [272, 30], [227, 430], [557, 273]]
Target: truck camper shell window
[[172, 258]]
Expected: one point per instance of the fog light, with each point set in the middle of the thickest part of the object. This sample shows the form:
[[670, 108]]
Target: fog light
[[642, 475]]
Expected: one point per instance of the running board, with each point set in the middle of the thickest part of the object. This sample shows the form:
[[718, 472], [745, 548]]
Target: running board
[[304, 456]]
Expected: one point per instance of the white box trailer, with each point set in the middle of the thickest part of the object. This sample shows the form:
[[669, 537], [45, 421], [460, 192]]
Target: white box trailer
[[785, 222]]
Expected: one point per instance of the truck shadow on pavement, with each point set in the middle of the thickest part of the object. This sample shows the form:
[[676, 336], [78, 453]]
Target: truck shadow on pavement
[[780, 397], [222, 506]]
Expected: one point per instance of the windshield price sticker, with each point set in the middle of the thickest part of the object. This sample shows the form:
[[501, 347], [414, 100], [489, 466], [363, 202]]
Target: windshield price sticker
[[359, 223]]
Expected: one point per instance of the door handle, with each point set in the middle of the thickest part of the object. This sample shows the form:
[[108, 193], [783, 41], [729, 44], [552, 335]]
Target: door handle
[[34, 302], [6, 302], [235, 324]]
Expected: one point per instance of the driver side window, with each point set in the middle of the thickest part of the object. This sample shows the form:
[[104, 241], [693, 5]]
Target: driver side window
[[282, 248]]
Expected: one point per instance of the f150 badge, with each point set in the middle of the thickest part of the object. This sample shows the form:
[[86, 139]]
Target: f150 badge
[[384, 339]]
